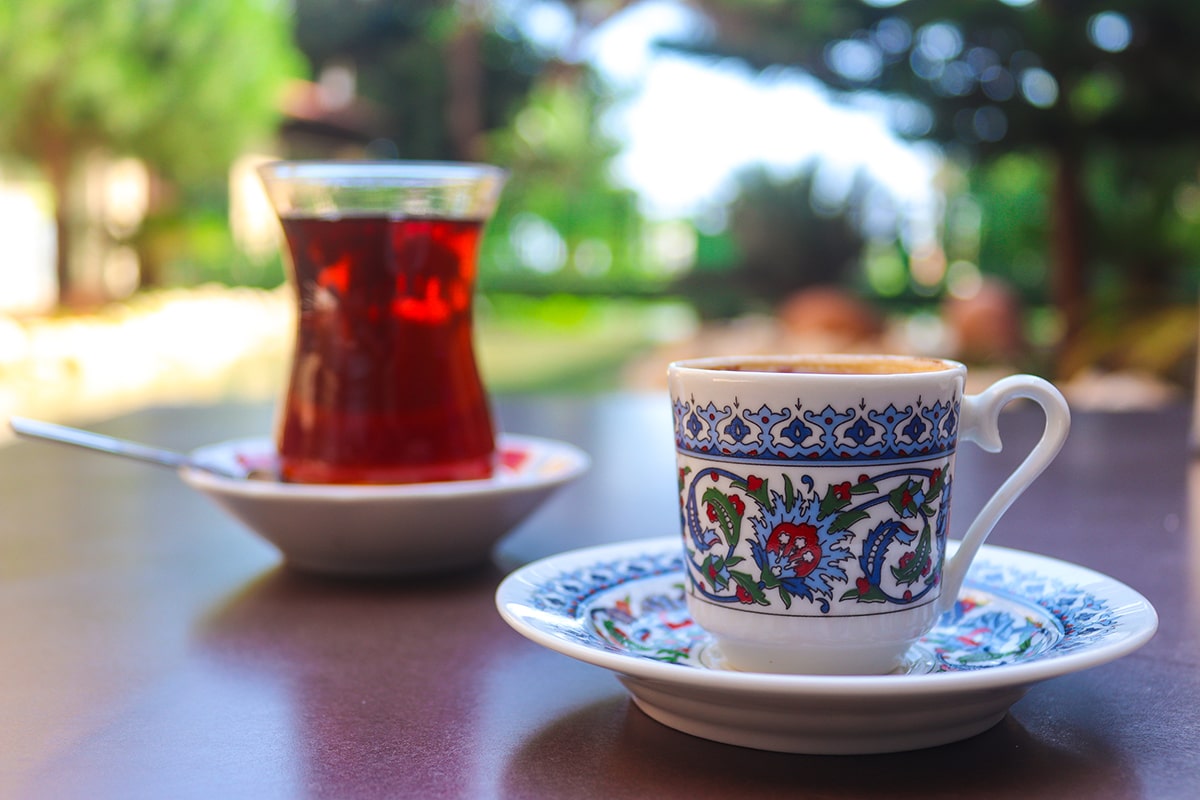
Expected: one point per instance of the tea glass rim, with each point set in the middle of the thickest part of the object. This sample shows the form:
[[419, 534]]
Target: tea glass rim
[[365, 172]]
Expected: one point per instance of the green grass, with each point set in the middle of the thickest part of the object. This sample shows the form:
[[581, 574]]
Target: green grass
[[567, 343]]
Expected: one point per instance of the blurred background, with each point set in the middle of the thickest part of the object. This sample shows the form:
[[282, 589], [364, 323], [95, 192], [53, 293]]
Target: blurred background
[[1015, 183]]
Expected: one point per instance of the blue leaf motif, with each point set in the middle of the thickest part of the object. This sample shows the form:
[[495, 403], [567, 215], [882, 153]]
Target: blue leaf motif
[[951, 423], [737, 430], [860, 431], [915, 429], [797, 431]]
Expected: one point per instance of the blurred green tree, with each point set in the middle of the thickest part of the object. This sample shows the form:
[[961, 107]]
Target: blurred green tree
[[440, 75], [1104, 95], [462, 81], [781, 244], [183, 86], [562, 224]]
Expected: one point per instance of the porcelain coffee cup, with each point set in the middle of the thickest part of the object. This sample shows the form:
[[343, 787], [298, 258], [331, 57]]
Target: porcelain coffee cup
[[815, 500]]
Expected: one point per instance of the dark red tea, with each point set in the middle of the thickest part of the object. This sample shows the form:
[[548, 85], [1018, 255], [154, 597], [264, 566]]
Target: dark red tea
[[384, 386]]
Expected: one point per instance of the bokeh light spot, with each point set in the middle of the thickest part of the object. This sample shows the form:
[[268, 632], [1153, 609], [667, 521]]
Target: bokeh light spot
[[990, 124], [1110, 31], [940, 41], [855, 60], [1039, 87]]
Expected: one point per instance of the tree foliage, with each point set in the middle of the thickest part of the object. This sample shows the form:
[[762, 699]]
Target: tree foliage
[[559, 165], [184, 86], [462, 81], [992, 75], [1102, 95], [439, 74]]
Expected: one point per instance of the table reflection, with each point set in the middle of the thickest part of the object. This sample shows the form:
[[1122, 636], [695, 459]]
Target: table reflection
[[387, 651], [1192, 573]]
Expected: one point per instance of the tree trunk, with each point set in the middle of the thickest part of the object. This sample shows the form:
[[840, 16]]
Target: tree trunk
[[464, 105], [1068, 250], [58, 170]]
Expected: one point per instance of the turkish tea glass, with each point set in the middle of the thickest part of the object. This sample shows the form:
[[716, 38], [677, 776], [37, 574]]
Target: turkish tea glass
[[384, 386]]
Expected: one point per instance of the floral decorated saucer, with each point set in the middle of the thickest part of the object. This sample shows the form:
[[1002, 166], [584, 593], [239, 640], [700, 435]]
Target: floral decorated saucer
[[385, 530], [1020, 619]]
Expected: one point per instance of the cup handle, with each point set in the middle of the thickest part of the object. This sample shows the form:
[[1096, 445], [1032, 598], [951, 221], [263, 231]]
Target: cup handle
[[980, 424]]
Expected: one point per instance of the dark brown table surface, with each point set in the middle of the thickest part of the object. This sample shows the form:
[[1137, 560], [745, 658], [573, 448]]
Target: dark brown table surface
[[153, 648]]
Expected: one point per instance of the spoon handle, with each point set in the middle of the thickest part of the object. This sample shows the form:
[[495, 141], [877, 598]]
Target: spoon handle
[[37, 429]]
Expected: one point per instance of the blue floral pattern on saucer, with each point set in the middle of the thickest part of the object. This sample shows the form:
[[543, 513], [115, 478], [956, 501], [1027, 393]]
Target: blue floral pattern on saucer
[[1021, 619], [1005, 615]]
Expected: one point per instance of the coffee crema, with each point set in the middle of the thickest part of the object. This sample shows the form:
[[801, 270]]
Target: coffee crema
[[836, 365]]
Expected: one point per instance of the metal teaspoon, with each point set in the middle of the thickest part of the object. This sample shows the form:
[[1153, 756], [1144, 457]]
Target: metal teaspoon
[[36, 429]]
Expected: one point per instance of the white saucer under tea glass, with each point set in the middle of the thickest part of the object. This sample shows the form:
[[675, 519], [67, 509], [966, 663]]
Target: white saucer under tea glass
[[384, 530], [356, 529]]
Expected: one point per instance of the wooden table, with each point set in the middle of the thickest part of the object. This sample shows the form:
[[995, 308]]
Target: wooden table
[[153, 648]]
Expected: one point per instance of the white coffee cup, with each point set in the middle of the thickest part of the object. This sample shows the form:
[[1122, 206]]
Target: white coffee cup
[[815, 497]]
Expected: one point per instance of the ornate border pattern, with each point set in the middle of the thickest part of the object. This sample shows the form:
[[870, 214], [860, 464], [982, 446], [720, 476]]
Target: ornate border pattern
[[917, 430]]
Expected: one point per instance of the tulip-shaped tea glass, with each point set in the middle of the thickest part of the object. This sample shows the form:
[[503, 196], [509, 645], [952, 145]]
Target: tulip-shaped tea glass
[[384, 386]]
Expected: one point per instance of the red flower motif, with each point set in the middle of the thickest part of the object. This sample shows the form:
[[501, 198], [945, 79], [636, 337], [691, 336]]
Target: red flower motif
[[863, 585], [906, 498], [864, 478], [842, 491], [928, 565], [712, 512], [933, 478], [907, 558], [798, 544], [743, 596], [753, 483]]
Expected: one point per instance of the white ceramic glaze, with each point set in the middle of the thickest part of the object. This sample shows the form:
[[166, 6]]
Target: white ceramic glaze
[[387, 530], [815, 503], [1020, 619]]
